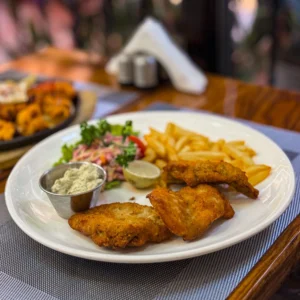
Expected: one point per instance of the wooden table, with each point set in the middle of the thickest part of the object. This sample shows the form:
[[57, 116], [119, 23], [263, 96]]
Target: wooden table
[[224, 96]]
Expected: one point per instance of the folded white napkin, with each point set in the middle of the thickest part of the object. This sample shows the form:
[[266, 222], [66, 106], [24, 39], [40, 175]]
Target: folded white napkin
[[152, 39]]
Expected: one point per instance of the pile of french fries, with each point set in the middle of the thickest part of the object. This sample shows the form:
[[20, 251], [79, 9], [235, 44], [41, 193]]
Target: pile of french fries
[[177, 143]]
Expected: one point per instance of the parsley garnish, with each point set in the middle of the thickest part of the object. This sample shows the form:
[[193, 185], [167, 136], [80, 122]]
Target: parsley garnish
[[103, 127], [88, 133], [127, 130], [127, 156], [91, 132]]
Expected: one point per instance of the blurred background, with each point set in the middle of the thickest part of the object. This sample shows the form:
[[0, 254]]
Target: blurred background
[[252, 40]]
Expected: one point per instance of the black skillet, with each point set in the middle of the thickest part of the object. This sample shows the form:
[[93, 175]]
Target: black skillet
[[21, 141]]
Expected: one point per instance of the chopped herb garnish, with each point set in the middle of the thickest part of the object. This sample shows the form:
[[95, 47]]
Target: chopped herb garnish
[[103, 127], [127, 130], [88, 133], [127, 156], [91, 132]]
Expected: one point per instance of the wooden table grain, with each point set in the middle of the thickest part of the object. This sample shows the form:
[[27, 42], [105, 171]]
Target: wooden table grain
[[224, 96]]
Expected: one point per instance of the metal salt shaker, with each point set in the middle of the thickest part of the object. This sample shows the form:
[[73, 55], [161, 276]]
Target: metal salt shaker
[[125, 75], [145, 72]]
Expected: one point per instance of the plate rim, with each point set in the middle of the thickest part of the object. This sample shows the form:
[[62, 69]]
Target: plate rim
[[149, 258]]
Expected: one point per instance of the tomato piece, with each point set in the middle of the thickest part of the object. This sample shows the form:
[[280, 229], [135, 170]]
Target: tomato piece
[[138, 142]]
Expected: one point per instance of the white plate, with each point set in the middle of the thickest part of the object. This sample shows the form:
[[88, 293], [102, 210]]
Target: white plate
[[33, 213]]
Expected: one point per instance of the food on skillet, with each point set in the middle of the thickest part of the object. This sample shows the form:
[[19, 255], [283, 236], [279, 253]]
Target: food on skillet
[[54, 99], [32, 108], [190, 211], [120, 225], [15, 92], [7, 130], [9, 111], [194, 173], [30, 120]]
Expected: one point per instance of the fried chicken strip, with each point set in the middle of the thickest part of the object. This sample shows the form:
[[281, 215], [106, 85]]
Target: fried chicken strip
[[190, 211], [120, 225], [196, 172]]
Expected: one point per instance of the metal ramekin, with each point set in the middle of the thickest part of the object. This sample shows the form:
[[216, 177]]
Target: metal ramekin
[[67, 205]]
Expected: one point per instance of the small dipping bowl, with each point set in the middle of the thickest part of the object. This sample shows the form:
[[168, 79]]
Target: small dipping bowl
[[67, 205]]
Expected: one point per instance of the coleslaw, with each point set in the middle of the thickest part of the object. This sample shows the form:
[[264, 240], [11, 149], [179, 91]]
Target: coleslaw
[[110, 146]]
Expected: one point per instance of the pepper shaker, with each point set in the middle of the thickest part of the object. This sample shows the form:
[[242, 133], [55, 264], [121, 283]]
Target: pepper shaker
[[145, 71], [125, 75]]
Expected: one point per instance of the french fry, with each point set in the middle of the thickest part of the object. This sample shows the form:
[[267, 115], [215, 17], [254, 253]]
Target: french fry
[[248, 161], [228, 159], [162, 137], [259, 177], [154, 132], [218, 145], [238, 163], [160, 163], [204, 155], [171, 153], [156, 145], [237, 143], [254, 169], [181, 142], [169, 129], [186, 148], [215, 147], [150, 155], [199, 145], [199, 137], [249, 151], [179, 131], [235, 153], [221, 143], [171, 141]]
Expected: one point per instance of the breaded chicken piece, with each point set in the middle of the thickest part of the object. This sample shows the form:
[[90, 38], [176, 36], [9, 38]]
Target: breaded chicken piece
[[34, 126], [9, 111], [190, 211], [196, 172], [120, 225], [7, 130]]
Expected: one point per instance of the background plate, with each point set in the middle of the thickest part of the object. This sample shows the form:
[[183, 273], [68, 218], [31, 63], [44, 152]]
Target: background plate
[[33, 213]]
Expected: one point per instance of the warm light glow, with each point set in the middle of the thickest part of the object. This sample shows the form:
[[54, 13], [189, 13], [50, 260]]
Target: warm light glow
[[245, 12], [247, 5], [176, 2]]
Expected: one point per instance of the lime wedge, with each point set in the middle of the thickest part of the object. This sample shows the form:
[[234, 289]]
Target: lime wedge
[[141, 174]]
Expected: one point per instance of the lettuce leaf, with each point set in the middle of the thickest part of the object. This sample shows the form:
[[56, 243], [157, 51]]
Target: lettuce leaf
[[113, 184], [67, 154]]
